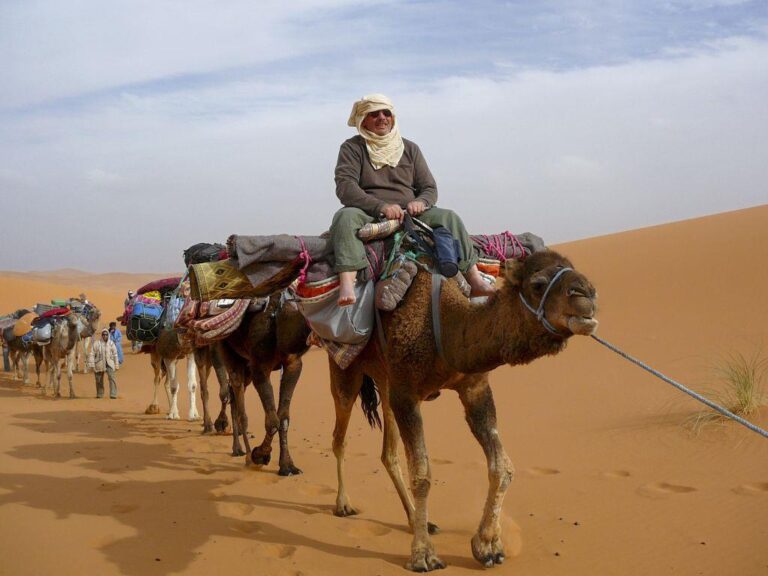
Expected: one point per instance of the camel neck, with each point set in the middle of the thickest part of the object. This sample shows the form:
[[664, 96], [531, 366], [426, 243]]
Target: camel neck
[[481, 337]]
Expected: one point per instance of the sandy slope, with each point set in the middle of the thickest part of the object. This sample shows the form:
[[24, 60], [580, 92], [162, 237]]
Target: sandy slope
[[608, 482]]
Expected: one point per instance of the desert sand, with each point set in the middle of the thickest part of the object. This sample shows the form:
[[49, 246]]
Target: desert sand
[[609, 480]]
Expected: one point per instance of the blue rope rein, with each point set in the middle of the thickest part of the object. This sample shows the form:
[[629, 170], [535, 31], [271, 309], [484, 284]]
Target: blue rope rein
[[699, 397]]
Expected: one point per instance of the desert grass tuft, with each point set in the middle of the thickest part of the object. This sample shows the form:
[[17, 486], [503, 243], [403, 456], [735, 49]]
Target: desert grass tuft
[[741, 390]]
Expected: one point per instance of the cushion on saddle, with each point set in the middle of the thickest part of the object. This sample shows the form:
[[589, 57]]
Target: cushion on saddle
[[378, 230], [55, 312], [204, 252], [490, 267], [164, 285], [314, 289], [391, 290]]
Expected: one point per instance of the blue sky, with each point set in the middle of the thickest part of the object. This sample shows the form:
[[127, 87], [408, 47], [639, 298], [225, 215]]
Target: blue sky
[[134, 129]]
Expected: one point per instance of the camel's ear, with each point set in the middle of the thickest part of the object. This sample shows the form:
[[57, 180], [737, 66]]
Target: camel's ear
[[513, 272]]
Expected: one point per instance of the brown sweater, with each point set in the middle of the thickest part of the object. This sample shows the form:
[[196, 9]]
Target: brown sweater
[[358, 185]]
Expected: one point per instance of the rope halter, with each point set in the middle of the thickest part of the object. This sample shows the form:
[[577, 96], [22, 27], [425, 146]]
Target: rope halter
[[539, 312]]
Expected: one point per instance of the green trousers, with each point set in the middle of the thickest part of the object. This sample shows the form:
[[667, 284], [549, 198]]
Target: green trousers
[[349, 251]]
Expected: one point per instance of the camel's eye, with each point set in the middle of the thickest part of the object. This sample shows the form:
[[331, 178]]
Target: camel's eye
[[539, 283]]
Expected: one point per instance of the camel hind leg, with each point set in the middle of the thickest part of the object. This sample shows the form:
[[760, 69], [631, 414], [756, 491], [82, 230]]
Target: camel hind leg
[[262, 454], [288, 380], [480, 410], [409, 421], [157, 367], [345, 386]]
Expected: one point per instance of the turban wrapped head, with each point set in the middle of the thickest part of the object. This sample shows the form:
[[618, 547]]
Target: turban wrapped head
[[382, 150]]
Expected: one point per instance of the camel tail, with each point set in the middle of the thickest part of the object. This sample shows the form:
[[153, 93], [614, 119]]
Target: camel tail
[[369, 399]]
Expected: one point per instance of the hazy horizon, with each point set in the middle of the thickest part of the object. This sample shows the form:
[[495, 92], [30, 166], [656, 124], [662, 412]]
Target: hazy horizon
[[129, 131]]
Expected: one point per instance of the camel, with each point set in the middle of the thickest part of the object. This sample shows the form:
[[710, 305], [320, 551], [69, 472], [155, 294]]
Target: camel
[[87, 329], [164, 353], [66, 334], [273, 339], [409, 367]]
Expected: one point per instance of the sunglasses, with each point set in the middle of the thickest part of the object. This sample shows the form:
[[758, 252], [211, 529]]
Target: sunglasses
[[387, 113]]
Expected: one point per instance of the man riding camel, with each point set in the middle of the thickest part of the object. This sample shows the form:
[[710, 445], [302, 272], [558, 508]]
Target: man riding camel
[[379, 173]]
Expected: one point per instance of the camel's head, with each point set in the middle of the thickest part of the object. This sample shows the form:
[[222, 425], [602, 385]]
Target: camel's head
[[569, 299]]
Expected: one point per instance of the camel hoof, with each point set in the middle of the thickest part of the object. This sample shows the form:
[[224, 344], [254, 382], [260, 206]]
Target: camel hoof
[[289, 471], [433, 529], [72, 395], [488, 553], [172, 417], [238, 452], [207, 428], [221, 425], [152, 409], [425, 562], [260, 456], [344, 511]]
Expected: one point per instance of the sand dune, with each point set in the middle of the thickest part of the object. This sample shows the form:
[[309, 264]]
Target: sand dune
[[608, 481]]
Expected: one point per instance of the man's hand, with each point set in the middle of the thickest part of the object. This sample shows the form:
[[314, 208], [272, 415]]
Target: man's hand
[[393, 212], [416, 207]]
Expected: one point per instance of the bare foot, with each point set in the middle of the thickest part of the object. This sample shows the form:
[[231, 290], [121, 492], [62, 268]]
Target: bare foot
[[347, 288], [479, 287], [346, 296]]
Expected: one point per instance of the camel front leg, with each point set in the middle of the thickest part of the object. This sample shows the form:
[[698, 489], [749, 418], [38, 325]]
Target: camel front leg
[[203, 361], [480, 411], [172, 389], [69, 360], [192, 387], [262, 454], [408, 417]]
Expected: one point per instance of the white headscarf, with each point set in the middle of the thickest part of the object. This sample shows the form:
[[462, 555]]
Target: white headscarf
[[382, 150]]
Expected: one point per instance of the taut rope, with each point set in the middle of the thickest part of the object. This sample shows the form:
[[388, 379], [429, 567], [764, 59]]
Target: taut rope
[[699, 397]]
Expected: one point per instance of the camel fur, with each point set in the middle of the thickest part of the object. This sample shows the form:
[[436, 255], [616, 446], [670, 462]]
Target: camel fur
[[476, 339], [273, 339]]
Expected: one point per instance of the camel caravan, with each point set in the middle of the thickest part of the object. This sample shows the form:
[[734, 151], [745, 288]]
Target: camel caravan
[[403, 300], [256, 305], [56, 335]]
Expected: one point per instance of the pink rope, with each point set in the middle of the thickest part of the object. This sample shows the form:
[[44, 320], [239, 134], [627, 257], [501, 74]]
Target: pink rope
[[496, 246], [303, 255]]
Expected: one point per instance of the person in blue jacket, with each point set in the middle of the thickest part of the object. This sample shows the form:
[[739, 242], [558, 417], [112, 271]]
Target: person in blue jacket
[[116, 337]]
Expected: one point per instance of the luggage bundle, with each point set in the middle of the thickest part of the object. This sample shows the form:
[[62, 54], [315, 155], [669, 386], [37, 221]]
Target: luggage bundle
[[145, 312]]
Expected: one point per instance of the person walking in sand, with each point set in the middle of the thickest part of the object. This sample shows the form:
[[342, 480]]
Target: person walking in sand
[[116, 336], [103, 358], [379, 173]]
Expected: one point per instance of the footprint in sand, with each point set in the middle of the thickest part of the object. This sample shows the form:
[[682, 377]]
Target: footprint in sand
[[205, 471], [109, 487], [281, 551], [247, 527], [441, 461], [265, 478], [123, 508], [363, 528], [754, 489], [233, 509], [658, 489], [541, 471], [316, 490], [617, 474]]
